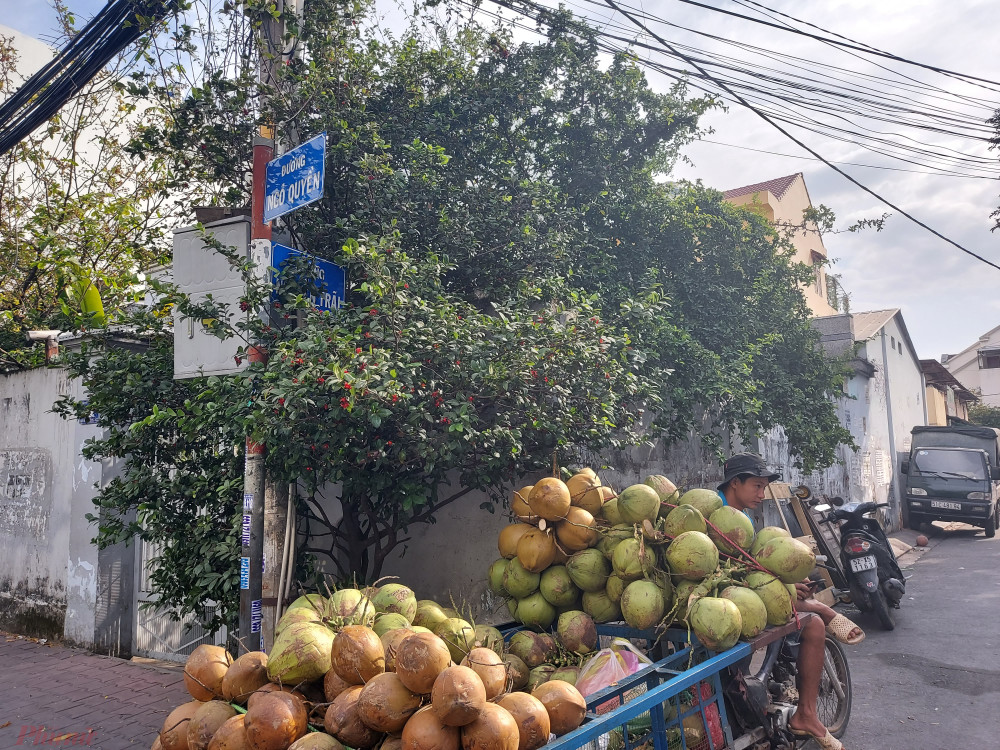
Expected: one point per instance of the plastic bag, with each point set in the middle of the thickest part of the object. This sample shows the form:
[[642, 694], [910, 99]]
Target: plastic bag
[[610, 665]]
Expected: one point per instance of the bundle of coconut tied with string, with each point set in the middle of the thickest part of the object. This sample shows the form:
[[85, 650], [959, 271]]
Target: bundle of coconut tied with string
[[652, 558]]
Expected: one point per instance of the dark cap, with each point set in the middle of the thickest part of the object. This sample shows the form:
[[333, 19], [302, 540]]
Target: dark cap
[[746, 464]]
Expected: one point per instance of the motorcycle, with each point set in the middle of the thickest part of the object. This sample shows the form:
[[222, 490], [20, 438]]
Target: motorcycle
[[873, 575], [761, 694]]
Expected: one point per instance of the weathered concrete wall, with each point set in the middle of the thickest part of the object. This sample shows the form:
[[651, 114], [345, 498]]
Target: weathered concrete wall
[[49, 579]]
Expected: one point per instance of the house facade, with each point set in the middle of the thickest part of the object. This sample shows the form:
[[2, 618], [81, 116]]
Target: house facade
[[978, 367], [782, 202], [883, 400], [948, 401]]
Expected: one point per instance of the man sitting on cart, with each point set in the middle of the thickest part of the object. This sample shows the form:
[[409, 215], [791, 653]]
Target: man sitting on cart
[[745, 477]]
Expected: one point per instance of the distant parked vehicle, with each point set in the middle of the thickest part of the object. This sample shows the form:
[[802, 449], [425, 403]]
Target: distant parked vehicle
[[953, 474]]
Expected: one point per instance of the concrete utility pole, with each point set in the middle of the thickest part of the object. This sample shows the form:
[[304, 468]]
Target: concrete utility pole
[[254, 568]]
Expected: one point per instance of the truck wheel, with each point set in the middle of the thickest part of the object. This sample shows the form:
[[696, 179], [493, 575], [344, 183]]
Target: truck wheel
[[991, 527], [916, 521]]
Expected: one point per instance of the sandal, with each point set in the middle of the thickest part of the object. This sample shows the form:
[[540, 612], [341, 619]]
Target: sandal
[[827, 741], [840, 628]]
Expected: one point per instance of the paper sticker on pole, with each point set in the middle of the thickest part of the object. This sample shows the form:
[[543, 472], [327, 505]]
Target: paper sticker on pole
[[295, 179]]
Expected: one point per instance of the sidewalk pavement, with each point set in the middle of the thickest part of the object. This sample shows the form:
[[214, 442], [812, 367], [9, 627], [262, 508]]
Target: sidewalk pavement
[[55, 696]]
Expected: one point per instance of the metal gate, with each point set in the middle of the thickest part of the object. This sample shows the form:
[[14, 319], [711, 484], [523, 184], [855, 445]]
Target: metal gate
[[156, 635]]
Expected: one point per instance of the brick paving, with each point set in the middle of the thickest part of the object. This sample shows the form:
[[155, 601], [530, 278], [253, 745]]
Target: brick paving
[[54, 696]]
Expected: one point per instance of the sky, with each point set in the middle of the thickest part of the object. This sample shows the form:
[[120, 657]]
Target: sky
[[948, 299]]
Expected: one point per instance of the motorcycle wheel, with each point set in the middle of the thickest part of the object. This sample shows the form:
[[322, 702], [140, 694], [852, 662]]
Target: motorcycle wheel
[[833, 709], [881, 609]]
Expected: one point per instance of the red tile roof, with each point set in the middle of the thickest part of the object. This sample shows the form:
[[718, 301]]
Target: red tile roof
[[775, 187]]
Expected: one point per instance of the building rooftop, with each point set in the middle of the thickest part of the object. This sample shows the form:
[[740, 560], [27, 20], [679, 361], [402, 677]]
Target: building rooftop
[[775, 187]]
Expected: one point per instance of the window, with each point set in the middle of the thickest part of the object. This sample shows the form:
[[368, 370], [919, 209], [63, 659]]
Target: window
[[989, 360], [892, 342]]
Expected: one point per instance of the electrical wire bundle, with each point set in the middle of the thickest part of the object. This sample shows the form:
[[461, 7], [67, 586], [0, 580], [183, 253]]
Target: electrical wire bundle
[[119, 23]]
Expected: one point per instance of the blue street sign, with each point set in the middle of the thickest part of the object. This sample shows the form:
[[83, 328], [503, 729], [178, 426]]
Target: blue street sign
[[295, 179], [244, 572], [329, 276]]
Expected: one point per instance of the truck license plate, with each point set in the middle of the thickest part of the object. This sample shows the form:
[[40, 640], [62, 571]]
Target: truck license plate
[[945, 505], [867, 562]]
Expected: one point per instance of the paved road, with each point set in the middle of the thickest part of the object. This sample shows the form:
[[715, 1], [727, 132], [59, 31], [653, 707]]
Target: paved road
[[54, 696], [933, 683]]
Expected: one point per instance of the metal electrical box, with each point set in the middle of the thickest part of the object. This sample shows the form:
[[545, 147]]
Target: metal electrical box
[[200, 271]]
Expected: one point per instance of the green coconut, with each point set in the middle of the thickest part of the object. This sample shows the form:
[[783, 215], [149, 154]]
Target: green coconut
[[538, 676], [495, 578], [589, 570], [633, 560], [566, 674], [716, 622], [598, 605], [299, 614], [732, 524], [614, 588], [459, 635], [489, 637], [429, 613], [300, 654], [788, 558], [389, 621], [682, 593], [512, 608], [557, 587], [610, 511], [706, 501], [776, 598], [312, 602], [532, 648], [517, 671], [613, 536], [642, 604], [765, 535], [752, 610], [662, 579], [535, 611], [684, 518], [638, 503], [692, 555], [577, 632], [351, 607], [665, 489], [518, 580], [397, 598]]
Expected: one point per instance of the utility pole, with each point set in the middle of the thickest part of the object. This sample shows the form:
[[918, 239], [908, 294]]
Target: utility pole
[[252, 562]]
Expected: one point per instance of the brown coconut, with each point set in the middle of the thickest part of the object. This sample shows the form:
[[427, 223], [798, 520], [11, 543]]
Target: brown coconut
[[391, 742], [275, 720], [173, 733], [206, 722], [594, 499], [419, 661], [486, 663], [230, 736], [578, 530], [316, 741], [580, 484], [357, 654], [156, 744], [509, 538], [390, 645], [425, 731], [536, 550], [246, 674], [385, 703], [495, 729], [549, 499], [333, 685], [274, 687], [458, 696], [344, 723], [564, 705], [532, 719], [519, 505], [204, 671]]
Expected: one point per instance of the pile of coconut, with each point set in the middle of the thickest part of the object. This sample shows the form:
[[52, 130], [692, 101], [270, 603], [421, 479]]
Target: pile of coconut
[[649, 556], [373, 669]]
